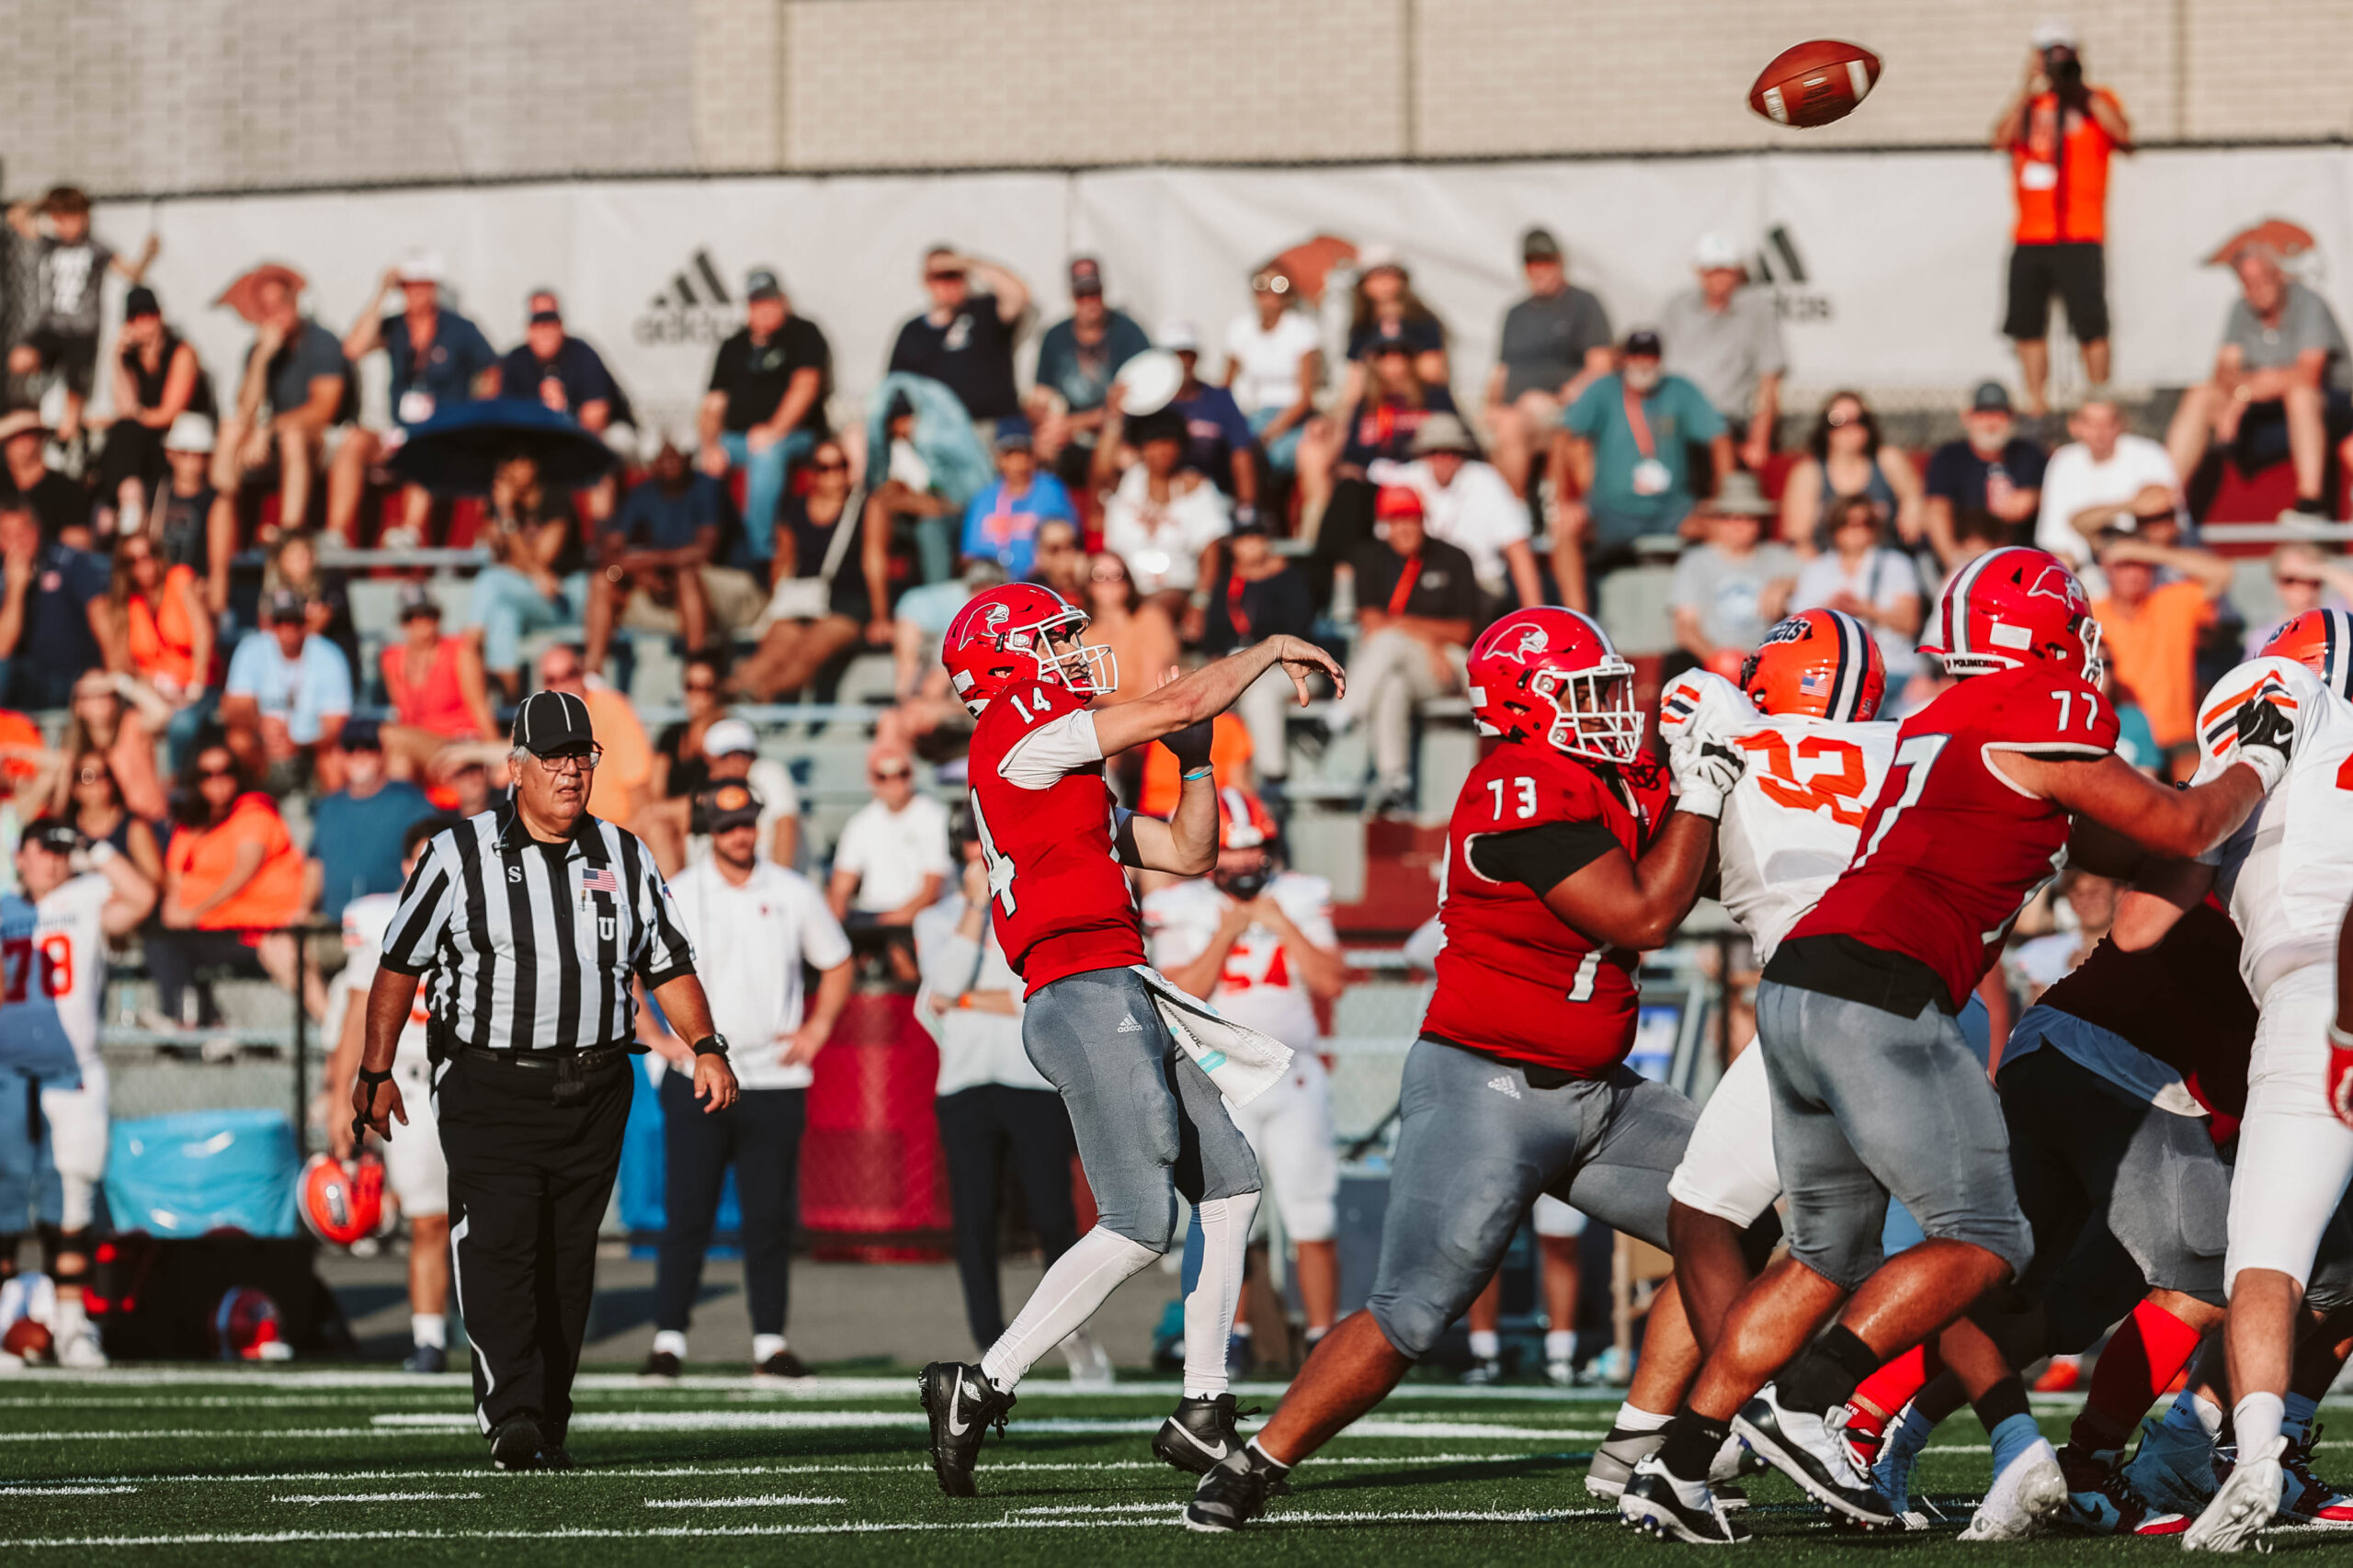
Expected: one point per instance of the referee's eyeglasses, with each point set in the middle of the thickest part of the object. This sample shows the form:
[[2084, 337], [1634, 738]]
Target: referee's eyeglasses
[[575, 759]]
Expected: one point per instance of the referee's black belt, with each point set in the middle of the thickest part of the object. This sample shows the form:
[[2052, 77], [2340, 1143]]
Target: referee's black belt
[[566, 1074]]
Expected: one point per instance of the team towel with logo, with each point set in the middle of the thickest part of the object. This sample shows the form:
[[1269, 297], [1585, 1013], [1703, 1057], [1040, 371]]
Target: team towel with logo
[[1241, 1061]]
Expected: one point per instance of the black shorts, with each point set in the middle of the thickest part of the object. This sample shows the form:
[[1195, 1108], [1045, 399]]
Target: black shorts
[[2077, 272], [69, 353]]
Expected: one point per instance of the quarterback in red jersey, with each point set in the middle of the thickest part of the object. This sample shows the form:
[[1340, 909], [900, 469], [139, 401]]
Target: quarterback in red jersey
[[1150, 1123], [1566, 858], [1875, 1091]]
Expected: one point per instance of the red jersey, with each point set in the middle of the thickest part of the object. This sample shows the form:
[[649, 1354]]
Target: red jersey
[[1059, 897], [1514, 981], [2181, 1001], [1952, 852]]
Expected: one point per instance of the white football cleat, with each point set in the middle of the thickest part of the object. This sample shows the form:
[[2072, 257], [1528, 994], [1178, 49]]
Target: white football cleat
[[2246, 1503], [2028, 1496], [80, 1351]]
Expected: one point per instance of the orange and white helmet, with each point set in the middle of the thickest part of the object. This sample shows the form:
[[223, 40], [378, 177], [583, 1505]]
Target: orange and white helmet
[[1822, 664], [2010, 606], [1005, 636], [1243, 821], [2321, 640], [341, 1202], [1550, 676]]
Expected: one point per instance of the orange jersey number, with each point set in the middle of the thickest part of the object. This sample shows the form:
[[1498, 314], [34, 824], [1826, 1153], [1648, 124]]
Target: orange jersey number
[[1833, 782]]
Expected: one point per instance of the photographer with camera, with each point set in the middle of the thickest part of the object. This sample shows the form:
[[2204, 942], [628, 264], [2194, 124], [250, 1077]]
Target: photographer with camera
[[2059, 131]]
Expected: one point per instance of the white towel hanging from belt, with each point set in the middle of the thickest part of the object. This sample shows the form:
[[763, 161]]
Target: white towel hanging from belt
[[1241, 1061]]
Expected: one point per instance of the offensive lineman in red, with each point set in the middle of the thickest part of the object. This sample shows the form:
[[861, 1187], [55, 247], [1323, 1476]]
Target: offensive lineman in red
[[1565, 858], [1875, 1091], [1149, 1122]]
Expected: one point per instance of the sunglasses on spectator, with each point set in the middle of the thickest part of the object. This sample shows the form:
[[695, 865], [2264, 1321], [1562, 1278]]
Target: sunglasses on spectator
[[2298, 582], [837, 465], [884, 775], [1107, 574], [1272, 283], [702, 685], [94, 776], [1840, 421], [943, 278], [211, 773]]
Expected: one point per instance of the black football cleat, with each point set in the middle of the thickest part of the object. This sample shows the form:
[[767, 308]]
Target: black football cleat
[[1200, 1434], [661, 1364], [514, 1443], [962, 1405], [1811, 1451], [783, 1364], [1659, 1504], [1233, 1492]]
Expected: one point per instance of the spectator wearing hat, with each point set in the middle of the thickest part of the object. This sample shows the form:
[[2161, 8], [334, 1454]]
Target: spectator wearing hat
[[2060, 131], [438, 360], [1218, 439], [1725, 339], [892, 857], [1164, 520], [2279, 387], [56, 620], [2150, 628], [1076, 360], [295, 389], [62, 505], [1554, 345], [286, 700], [435, 684], [2107, 477], [1001, 524], [1467, 502], [70, 267], [1728, 588], [1417, 602], [1844, 456], [655, 568], [1992, 468], [357, 831], [677, 828], [156, 380], [1855, 571], [1260, 595], [1274, 363], [1625, 447], [193, 524], [567, 374], [766, 407], [965, 340]]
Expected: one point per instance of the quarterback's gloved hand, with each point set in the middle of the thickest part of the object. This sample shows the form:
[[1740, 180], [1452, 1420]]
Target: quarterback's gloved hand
[[2266, 739], [1699, 705], [1191, 745], [1705, 772], [2340, 1074]]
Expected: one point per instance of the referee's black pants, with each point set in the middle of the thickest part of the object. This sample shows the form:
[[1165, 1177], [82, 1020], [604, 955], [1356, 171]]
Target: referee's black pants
[[531, 1171], [760, 1134], [978, 1127]]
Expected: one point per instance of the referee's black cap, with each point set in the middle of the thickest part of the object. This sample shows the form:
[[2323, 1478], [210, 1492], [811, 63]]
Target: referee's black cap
[[550, 721]]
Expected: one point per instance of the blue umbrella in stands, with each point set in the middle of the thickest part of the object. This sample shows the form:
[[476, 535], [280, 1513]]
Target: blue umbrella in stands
[[456, 451]]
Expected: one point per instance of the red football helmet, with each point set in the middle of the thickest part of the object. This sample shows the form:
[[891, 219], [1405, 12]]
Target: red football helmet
[[2012, 604], [1819, 663], [342, 1203], [247, 1326], [1005, 636], [1550, 675], [2321, 640]]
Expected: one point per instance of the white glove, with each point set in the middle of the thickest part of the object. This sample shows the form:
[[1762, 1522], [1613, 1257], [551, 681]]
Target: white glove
[[1705, 771], [1700, 704]]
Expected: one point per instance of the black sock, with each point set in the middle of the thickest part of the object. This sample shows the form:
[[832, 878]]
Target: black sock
[[1828, 1373], [1692, 1441], [1999, 1404]]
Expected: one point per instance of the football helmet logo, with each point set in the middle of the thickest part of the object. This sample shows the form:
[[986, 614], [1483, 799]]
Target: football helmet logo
[[1821, 663], [2010, 606], [1551, 676], [2321, 640], [1007, 635]]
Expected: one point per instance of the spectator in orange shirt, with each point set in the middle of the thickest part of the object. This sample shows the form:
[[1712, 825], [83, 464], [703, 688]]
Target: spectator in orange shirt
[[436, 683], [2149, 629], [625, 775], [2059, 131], [231, 876], [163, 618]]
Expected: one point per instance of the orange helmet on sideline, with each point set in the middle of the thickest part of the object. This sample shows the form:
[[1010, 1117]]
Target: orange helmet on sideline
[[341, 1203]]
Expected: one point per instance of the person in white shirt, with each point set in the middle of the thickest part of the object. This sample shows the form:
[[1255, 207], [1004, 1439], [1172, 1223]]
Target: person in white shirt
[[414, 1167], [1166, 523], [753, 925], [1274, 361], [1467, 502], [892, 856], [2106, 475], [994, 1105], [731, 751], [53, 935], [1257, 943]]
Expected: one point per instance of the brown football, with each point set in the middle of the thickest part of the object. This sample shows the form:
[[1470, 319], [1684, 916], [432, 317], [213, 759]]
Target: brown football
[[27, 1339], [1815, 83]]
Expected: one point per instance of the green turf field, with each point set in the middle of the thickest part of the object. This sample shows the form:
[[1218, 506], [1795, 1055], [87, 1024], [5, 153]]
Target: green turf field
[[212, 1466]]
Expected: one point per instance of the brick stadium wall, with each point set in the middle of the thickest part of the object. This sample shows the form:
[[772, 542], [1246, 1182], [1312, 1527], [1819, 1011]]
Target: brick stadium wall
[[159, 96]]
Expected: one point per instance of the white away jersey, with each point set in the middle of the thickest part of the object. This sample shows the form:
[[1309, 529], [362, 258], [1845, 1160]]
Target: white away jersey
[[365, 920], [1790, 826], [2287, 873], [53, 972], [1259, 986]]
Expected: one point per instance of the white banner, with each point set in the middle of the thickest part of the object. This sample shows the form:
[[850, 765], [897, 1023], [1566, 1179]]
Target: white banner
[[1889, 266]]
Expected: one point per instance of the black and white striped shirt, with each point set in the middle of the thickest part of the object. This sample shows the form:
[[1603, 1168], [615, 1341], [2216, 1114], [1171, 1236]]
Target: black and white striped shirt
[[532, 946]]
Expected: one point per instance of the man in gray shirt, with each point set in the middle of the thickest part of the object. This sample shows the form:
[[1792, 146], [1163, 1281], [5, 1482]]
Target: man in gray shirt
[[2280, 383], [1728, 588], [1727, 340], [1553, 342]]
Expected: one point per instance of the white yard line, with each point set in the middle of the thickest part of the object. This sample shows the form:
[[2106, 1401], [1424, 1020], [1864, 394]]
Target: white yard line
[[850, 1420], [766, 1499], [380, 1497], [62, 1490], [207, 1434]]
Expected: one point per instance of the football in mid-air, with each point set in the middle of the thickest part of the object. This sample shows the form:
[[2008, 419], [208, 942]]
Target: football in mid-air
[[1815, 83]]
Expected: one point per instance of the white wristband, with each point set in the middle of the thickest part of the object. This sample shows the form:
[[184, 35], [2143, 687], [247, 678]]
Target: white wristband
[[2339, 1038], [2267, 764], [1701, 800]]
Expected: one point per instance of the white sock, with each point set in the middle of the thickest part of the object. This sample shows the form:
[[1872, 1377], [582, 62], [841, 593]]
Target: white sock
[[2301, 1410], [1316, 1336], [1079, 1282], [2194, 1416], [429, 1329], [765, 1346], [1560, 1345], [671, 1340], [2258, 1418], [1209, 1309], [1633, 1418], [1486, 1344], [68, 1313]]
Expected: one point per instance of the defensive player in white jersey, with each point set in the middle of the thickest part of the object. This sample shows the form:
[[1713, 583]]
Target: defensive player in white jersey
[[414, 1166], [1801, 717], [53, 935], [1256, 941], [2286, 876]]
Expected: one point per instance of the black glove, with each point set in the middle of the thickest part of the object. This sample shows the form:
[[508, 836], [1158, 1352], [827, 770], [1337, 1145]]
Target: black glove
[[1191, 745], [2266, 739]]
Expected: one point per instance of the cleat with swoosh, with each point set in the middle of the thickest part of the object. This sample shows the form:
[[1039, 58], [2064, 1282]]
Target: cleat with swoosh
[[962, 1405]]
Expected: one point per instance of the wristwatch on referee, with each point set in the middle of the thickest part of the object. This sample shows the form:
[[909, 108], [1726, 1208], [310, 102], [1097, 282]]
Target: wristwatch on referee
[[712, 1045]]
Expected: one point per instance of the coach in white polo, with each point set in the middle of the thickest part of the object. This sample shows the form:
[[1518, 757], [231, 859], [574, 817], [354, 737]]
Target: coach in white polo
[[753, 925]]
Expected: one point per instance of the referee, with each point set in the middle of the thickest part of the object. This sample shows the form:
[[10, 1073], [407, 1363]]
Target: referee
[[532, 919]]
